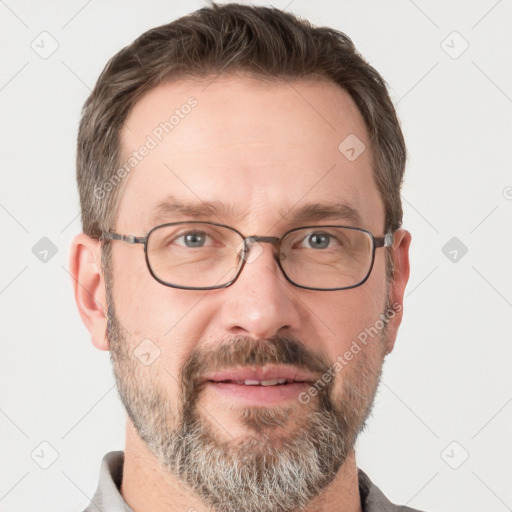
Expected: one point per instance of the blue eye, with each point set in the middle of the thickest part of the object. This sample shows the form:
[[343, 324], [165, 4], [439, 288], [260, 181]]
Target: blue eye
[[192, 239], [318, 240]]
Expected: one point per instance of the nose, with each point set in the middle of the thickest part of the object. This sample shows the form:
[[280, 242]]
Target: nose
[[261, 303]]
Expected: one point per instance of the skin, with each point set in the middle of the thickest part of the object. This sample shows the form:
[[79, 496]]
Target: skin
[[262, 150]]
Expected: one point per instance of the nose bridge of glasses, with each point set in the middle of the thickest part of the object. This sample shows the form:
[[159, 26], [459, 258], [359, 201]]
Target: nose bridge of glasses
[[251, 240]]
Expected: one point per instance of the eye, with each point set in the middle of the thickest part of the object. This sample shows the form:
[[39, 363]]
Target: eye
[[193, 239], [318, 240]]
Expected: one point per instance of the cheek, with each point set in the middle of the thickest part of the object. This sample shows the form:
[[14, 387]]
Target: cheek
[[348, 316], [357, 365], [143, 305], [158, 322]]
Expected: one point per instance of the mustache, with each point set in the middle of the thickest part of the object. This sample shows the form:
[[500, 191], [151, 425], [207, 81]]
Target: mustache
[[243, 351]]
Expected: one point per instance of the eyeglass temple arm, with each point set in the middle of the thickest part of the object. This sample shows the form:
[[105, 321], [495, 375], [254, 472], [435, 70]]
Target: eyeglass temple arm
[[130, 239], [384, 241]]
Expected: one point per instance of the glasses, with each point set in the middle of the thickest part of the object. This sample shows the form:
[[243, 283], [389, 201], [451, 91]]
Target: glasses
[[198, 255]]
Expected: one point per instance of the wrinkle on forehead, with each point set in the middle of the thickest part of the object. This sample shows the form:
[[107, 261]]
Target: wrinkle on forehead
[[258, 149]]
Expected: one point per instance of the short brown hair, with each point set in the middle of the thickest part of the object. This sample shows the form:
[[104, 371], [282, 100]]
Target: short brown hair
[[261, 41]]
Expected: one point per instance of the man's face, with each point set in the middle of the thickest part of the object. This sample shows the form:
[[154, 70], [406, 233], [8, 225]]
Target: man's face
[[258, 155]]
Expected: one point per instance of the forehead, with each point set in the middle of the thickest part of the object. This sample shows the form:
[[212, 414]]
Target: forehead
[[247, 151]]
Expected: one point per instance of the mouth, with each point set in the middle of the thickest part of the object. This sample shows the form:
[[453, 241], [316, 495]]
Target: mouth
[[255, 382], [271, 385]]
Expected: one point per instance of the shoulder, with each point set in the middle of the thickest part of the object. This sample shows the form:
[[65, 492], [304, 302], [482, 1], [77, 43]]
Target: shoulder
[[374, 500], [107, 497]]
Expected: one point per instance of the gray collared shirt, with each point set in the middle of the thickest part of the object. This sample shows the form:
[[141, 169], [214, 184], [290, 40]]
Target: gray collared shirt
[[108, 498]]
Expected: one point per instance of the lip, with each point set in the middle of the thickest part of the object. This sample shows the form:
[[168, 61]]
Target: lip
[[271, 372], [230, 384]]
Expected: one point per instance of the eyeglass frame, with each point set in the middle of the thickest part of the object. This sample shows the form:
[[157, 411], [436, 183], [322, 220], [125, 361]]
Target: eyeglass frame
[[248, 241]]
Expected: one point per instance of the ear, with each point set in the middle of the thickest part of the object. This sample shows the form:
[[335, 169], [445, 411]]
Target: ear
[[89, 287], [400, 256]]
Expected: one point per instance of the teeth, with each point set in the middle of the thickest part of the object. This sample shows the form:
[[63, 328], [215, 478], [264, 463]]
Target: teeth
[[272, 382], [269, 382]]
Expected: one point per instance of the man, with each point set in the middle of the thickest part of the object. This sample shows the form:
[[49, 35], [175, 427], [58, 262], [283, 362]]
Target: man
[[242, 259]]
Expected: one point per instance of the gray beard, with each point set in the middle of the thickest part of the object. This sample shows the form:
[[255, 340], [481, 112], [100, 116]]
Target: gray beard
[[265, 471]]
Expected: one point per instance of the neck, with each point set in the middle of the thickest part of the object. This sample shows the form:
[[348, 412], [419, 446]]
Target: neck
[[148, 487]]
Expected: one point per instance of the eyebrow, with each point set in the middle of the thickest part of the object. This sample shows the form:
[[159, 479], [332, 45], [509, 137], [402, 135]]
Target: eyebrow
[[313, 212], [171, 209]]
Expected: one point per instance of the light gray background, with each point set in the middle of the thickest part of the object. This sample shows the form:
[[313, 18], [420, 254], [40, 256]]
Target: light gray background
[[449, 378]]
